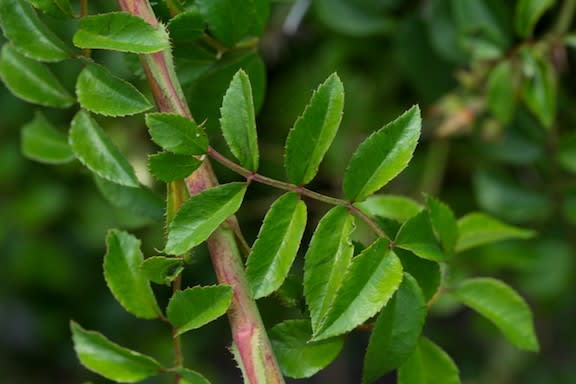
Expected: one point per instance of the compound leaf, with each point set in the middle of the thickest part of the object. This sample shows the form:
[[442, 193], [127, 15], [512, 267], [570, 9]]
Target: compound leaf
[[428, 364], [100, 355], [382, 156], [167, 166], [201, 215], [503, 306], [96, 151], [176, 133], [275, 248], [314, 131], [42, 142]]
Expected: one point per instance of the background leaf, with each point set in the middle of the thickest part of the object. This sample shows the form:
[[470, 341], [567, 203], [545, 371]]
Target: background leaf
[[162, 270], [503, 306], [528, 12], [314, 131], [428, 364], [501, 91], [110, 360], [42, 142], [54, 8], [186, 27], [382, 156], [177, 133], [124, 277], [539, 87], [275, 248], [167, 166], [190, 377]]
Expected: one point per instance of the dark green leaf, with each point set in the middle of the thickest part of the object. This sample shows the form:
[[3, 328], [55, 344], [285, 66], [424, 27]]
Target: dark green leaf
[[416, 235], [55, 8], [96, 151], [194, 307], [393, 207], [29, 35], [427, 273], [177, 133], [501, 91], [326, 261], [186, 27], [539, 87], [32, 81], [478, 229], [201, 215], [428, 364], [444, 223], [238, 122], [314, 131], [42, 142], [567, 152], [357, 18], [162, 270], [120, 31], [299, 358], [167, 166], [503, 306], [101, 92], [275, 248], [110, 360], [190, 377], [382, 156], [124, 277], [528, 12], [370, 281], [396, 332]]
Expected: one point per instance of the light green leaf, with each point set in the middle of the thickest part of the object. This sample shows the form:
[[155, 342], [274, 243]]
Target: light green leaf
[[399, 208], [197, 306], [503, 306], [54, 8], [99, 91], [299, 358], [428, 364], [501, 91], [120, 31], [177, 133], [162, 270], [416, 235], [382, 156], [98, 153], [314, 131], [478, 229], [444, 223], [124, 277], [231, 20], [528, 12], [201, 215], [396, 332], [238, 122], [427, 273], [326, 261], [539, 90], [190, 377], [42, 142], [186, 27], [32, 81], [167, 166], [275, 248], [29, 35], [100, 355], [370, 281]]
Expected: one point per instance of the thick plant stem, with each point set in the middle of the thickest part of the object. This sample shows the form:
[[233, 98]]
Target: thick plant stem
[[255, 354]]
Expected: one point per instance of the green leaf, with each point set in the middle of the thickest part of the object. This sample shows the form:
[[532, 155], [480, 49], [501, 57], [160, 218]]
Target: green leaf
[[42, 142], [393, 207], [275, 248], [428, 364], [231, 20], [238, 122], [201, 215], [32, 81], [140, 200], [382, 156], [528, 12], [539, 87], [566, 153], [100, 355], [427, 273], [197, 306], [167, 166], [396, 332], [501, 91], [55, 8], [162, 270], [120, 31], [416, 235], [503, 306], [124, 277], [370, 281], [326, 261], [99, 91], [186, 27], [177, 133], [299, 358], [190, 377], [444, 223], [29, 35], [314, 131], [478, 229], [98, 153], [356, 18]]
